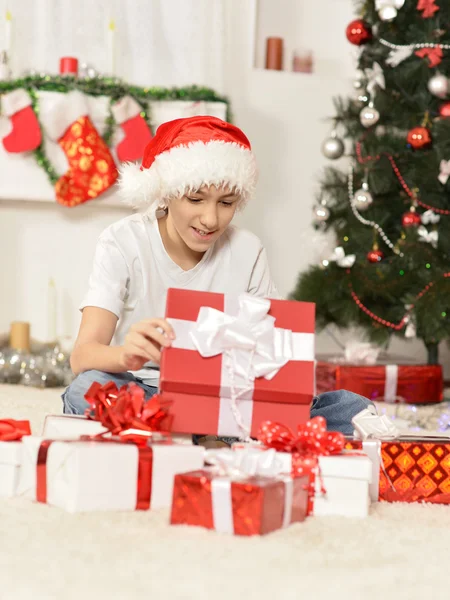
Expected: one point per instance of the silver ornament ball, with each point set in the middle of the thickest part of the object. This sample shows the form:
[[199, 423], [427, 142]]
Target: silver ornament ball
[[362, 199], [438, 85], [387, 13], [369, 116], [333, 148], [321, 213]]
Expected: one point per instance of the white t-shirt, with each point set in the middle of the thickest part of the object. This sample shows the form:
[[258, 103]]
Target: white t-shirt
[[132, 273]]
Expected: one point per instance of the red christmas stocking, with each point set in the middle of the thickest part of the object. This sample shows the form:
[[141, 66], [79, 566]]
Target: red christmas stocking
[[26, 132], [137, 133], [91, 167]]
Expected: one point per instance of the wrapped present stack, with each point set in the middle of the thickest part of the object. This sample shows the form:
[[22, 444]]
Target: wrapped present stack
[[362, 371], [240, 367]]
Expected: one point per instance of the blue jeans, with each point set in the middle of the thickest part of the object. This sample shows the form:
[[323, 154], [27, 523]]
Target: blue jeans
[[337, 407]]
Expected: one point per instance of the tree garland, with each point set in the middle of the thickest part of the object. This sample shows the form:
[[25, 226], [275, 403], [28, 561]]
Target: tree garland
[[104, 86]]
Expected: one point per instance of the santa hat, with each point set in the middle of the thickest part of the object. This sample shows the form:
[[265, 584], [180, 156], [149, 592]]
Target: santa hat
[[185, 155]]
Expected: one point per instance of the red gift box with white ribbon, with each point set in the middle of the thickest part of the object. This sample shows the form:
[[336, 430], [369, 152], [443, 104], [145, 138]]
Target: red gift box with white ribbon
[[415, 384], [237, 361]]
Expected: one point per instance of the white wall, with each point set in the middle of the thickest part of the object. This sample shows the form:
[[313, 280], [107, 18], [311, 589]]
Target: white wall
[[282, 113]]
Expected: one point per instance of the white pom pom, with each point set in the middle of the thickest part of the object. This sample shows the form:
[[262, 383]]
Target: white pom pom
[[138, 188]]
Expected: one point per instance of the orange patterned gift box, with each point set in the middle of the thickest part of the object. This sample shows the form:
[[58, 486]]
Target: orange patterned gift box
[[252, 506], [415, 469]]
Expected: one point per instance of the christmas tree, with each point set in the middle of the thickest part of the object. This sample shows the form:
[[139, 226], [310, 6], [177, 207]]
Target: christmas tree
[[389, 207]]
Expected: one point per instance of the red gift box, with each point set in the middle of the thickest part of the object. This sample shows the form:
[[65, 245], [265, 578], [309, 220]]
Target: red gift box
[[252, 506], [415, 384], [414, 469], [200, 388]]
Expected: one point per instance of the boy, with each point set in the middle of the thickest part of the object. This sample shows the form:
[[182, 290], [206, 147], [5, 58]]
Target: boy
[[195, 174]]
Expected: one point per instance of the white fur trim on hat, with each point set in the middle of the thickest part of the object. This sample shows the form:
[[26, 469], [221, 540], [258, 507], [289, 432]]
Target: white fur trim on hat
[[15, 101], [125, 109], [188, 168], [67, 109]]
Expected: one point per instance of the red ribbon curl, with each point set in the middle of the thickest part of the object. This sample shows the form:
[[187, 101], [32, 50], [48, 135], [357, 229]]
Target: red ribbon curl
[[12, 430]]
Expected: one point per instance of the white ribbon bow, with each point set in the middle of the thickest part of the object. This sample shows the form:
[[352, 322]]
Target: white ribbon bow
[[361, 353], [256, 347], [375, 77], [250, 343], [444, 173], [341, 259], [410, 331], [250, 462], [430, 217], [398, 55], [369, 425], [430, 237]]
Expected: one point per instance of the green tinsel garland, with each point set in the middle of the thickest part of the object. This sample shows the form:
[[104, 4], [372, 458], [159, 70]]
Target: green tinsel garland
[[104, 86]]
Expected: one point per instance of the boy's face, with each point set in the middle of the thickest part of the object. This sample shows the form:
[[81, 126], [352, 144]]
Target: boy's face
[[201, 217]]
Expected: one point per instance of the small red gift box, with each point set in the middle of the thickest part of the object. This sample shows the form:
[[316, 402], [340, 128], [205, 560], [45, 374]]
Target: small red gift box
[[415, 384], [251, 506], [239, 333], [414, 469]]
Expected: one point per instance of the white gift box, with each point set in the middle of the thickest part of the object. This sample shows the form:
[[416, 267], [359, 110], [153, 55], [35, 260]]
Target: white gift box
[[89, 476], [71, 427], [10, 461], [345, 477]]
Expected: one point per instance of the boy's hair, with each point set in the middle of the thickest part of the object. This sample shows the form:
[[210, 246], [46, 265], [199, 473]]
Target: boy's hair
[[185, 155]]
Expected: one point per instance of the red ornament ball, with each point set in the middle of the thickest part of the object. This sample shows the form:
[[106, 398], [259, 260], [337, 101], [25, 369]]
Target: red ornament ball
[[375, 256], [358, 32], [411, 219], [419, 138], [444, 110]]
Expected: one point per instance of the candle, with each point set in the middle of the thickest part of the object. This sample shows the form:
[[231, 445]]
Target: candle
[[51, 317], [111, 45], [8, 29], [274, 53]]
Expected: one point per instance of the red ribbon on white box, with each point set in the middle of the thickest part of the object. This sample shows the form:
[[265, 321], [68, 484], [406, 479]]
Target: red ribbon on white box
[[252, 347]]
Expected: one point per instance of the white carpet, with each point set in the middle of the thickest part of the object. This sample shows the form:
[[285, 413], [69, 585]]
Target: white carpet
[[401, 552]]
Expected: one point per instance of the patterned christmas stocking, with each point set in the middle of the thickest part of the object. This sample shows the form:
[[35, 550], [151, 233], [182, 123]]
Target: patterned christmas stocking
[[91, 167], [137, 133], [26, 132]]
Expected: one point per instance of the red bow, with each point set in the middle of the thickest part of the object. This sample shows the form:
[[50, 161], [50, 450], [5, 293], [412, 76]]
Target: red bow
[[312, 440], [126, 413], [12, 430], [434, 55], [428, 6]]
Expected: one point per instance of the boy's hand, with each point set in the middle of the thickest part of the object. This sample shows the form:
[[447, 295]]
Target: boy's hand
[[144, 342]]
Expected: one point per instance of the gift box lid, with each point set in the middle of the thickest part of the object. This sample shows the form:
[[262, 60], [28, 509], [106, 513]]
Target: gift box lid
[[347, 465], [69, 427], [11, 453], [184, 370]]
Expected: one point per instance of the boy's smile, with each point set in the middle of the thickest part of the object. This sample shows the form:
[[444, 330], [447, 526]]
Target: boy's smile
[[195, 221]]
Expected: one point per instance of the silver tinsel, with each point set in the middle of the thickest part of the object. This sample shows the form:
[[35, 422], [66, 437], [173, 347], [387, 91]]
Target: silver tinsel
[[43, 366]]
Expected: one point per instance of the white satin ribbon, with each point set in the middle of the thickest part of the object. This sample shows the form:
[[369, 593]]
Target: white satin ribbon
[[252, 347], [341, 259], [430, 237], [369, 425], [361, 353], [444, 171], [430, 217], [235, 466], [390, 386]]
